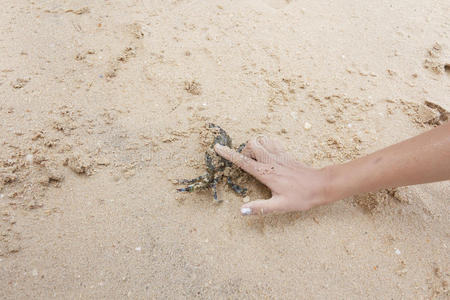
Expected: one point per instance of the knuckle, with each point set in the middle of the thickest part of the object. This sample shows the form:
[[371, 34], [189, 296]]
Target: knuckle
[[251, 143], [262, 139], [244, 160]]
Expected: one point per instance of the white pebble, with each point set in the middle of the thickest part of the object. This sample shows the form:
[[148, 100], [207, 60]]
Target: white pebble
[[294, 115], [1, 196], [349, 125], [397, 251], [307, 126], [246, 199], [29, 158], [138, 249], [34, 272]]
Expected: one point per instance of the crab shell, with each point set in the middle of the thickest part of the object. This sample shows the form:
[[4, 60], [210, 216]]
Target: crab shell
[[214, 162]]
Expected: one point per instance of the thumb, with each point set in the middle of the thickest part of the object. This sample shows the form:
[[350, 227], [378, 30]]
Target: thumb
[[262, 207]]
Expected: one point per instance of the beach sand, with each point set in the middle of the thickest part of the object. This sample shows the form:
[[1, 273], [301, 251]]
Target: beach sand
[[102, 104]]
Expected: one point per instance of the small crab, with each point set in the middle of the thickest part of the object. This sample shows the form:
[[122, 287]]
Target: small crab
[[217, 167]]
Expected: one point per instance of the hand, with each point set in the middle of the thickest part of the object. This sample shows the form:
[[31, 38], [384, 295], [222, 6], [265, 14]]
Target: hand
[[293, 186]]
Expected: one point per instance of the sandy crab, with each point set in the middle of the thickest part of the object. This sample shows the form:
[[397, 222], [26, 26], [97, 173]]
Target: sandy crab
[[217, 167]]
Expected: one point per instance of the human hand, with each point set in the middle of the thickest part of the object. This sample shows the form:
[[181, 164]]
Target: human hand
[[294, 187]]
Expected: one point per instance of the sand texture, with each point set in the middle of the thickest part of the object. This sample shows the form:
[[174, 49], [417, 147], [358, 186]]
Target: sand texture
[[102, 107]]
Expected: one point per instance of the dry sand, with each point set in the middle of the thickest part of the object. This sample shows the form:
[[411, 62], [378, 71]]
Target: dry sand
[[101, 105]]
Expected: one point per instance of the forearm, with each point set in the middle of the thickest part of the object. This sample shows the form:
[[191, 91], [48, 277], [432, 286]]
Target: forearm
[[422, 159]]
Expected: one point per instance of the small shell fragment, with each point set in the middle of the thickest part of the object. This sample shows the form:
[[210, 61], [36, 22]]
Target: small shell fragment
[[307, 126]]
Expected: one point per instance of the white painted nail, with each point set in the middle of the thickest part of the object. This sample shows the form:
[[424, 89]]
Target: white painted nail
[[246, 211]]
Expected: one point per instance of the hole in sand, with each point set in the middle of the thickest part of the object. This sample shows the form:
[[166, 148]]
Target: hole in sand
[[447, 69]]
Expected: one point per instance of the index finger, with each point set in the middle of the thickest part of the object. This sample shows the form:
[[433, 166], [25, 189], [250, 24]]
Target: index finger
[[244, 162]]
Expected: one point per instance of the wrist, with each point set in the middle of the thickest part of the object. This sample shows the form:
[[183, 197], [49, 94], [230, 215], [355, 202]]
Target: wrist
[[334, 184]]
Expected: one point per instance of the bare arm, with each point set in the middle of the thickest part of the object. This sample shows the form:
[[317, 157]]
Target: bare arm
[[421, 159]]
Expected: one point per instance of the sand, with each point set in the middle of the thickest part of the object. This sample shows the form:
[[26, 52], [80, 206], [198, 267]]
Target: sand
[[101, 108]]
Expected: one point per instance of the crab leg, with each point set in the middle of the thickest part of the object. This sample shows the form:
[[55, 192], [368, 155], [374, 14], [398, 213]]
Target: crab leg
[[191, 181], [195, 186], [239, 190], [214, 188], [241, 147]]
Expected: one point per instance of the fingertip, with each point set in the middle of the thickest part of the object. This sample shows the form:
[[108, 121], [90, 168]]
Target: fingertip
[[220, 149], [261, 207], [250, 209]]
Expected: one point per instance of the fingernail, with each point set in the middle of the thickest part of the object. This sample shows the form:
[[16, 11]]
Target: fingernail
[[245, 211]]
